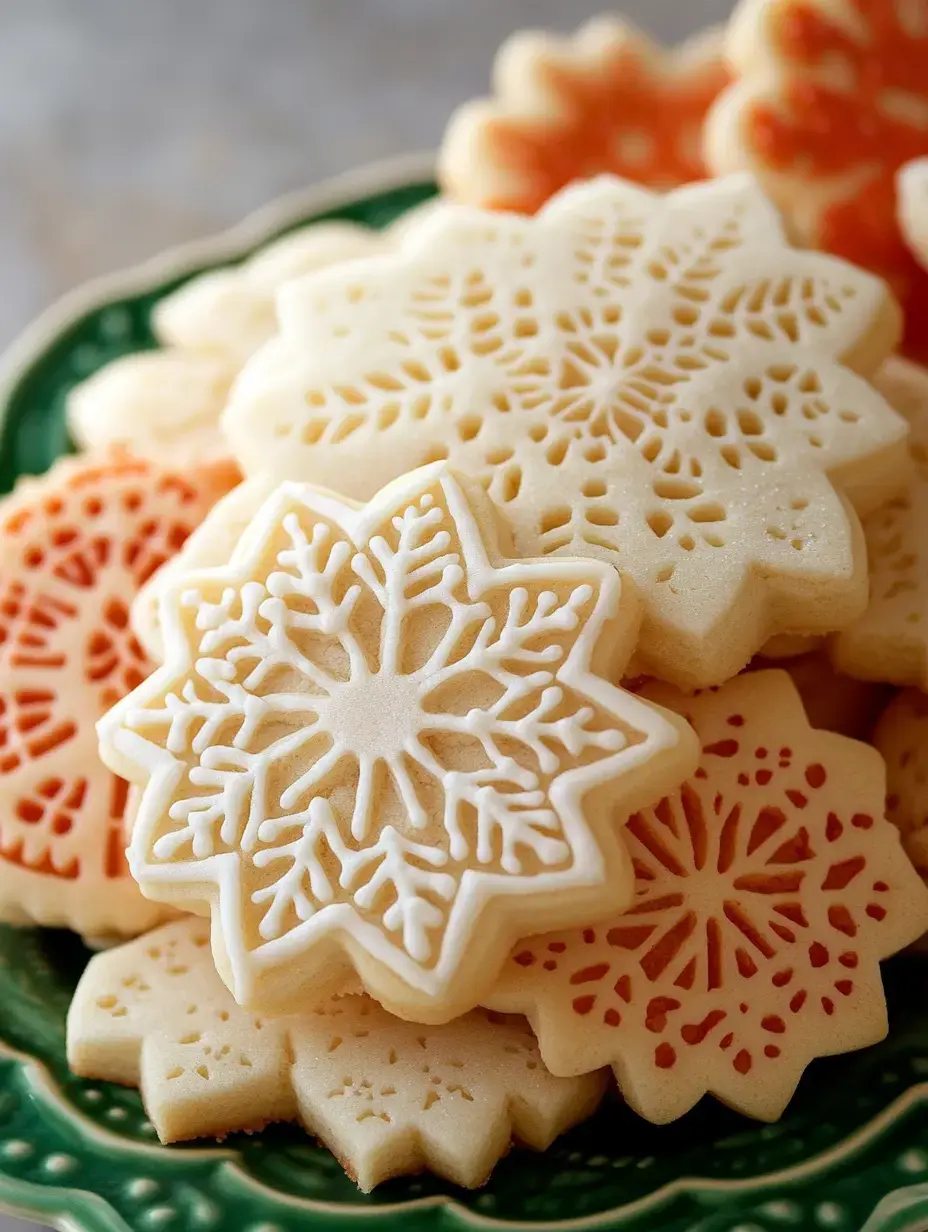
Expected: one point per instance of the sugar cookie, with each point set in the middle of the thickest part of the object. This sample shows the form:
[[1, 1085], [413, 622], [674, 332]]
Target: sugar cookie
[[831, 100], [76, 544], [376, 744], [647, 380], [604, 99], [769, 887], [912, 193], [387, 1097], [163, 405], [166, 404], [889, 642], [902, 737]]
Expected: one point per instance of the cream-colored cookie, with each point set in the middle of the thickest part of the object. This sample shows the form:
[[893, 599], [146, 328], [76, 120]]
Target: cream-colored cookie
[[912, 193], [902, 737], [656, 382], [387, 1097], [163, 405], [75, 546], [377, 745], [889, 642], [564, 108], [768, 889]]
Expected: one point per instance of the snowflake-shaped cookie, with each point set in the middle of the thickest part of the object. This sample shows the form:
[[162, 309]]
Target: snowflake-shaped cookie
[[387, 1097], [605, 99], [830, 103], [376, 743], [76, 545], [889, 642], [902, 737], [647, 380], [768, 889], [166, 404]]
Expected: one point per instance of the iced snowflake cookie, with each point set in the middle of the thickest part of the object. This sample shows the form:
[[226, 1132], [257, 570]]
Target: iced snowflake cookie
[[902, 737], [769, 887], [75, 546], [387, 1097], [166, 404], [889, 642], [831, 101], [652, 381], [376, 744], [565, 108]]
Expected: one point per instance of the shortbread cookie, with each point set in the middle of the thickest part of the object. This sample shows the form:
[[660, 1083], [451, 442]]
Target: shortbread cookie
[[376, 744], [652, 381], [831, 101], [902, 737], [387, 1097], [912, 192], [75, 547], [605, 99], [211, 543], [769, 887], [889, 642], [166, 404], [163, 405]]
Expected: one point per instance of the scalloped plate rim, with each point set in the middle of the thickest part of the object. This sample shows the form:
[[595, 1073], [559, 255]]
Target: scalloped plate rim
[[26, 1199]]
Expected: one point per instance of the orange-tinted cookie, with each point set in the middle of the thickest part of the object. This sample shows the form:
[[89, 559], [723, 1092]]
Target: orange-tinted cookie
[[75, 546], [832, 100], [605, 99]]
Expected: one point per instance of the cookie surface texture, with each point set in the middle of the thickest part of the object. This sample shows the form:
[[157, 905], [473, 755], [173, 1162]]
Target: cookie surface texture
[[830, 101], [769, 888], [385, 1096], [76, 545], [889, 642], [651, 381], [604, 99], [375, 743]]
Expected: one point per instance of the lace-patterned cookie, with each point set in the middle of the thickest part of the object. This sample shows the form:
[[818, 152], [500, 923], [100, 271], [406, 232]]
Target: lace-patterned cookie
[[387, 1097], [166, 404], [902, 737], [889, 642], [76, 545], [830, 103], [605, 99], [651, 381], [376, 744], [768, 889]]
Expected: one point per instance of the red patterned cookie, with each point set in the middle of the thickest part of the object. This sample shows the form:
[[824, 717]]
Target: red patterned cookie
[[604, 99], [76, 545], [768, 889]]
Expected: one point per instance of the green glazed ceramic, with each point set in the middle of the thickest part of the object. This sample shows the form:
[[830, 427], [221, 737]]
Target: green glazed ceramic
[[850, 1155]]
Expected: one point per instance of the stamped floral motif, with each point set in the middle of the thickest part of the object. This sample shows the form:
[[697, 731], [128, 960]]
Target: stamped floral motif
[[77, 544], [605, 99], [832, 101], [647, 380], [768, 888], [367, 734]]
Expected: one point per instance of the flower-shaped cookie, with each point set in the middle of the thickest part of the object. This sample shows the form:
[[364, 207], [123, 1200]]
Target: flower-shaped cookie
[[385, 1096], [902, 737], [832, 100], [605, 99], [648, 380], [76, 545], [889, 642], [769, 887], [166, 404], [375, 743]]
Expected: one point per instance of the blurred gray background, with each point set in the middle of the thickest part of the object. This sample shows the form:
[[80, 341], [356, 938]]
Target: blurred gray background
[[127, 126]]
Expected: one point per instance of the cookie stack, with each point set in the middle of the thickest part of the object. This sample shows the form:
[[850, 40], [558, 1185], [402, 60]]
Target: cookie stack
[[447, 747]]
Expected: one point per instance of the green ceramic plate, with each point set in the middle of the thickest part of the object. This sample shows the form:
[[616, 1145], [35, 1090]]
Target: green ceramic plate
[[851, 1154]]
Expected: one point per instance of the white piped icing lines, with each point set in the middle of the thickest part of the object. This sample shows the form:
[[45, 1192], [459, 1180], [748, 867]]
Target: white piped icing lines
[[377, 744], [385, 1096], [651, 381]]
